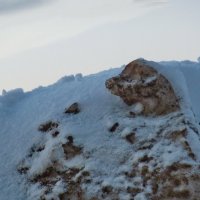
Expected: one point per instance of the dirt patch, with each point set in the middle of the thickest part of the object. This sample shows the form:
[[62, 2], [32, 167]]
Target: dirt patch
[[74, 190], [107, 189], [175, 182], [146, 159], [22, 169], [36, 148], [55, 134], [176, 135], [48, 126], [189, 150], [140, 83], [73, 109], [49, 177], [71, 150], [70, 139], [114, 127], [52, 175], [133, 191], [131, 138]]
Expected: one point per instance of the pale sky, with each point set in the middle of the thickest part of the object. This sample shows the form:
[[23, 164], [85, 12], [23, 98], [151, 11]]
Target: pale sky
[[43, 40]]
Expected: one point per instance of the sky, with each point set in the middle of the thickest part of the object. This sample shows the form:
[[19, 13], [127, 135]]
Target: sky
[[44, 40]]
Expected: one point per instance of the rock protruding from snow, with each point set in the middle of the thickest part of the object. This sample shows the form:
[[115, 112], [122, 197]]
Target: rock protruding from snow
[[73, 109], [48, 126], [140, 84]]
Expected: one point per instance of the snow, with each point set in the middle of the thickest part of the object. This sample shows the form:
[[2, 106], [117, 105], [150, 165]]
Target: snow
[[150, 79], [137, 108], [58, 189], [3, 92], [11, 96], [103, 152], [125, 132], [189, 74], [78, 77], [66, 79]]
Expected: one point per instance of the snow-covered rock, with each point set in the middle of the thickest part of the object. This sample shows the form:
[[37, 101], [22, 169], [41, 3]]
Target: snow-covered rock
[[47, 154], [140, 83], [73, 109]]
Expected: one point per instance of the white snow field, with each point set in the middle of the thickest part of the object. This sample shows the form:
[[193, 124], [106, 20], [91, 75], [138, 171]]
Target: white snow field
[[105, 155]]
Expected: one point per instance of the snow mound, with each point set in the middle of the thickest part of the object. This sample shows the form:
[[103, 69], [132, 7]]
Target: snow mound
[[103, 151]]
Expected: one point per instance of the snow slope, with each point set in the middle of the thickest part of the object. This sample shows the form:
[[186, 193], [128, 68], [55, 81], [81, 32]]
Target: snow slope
[[21, 114], [191, 72], [105, 155]]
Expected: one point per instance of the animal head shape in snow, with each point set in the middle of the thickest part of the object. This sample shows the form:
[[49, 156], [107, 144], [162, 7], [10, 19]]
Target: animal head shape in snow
[[141, 83]]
